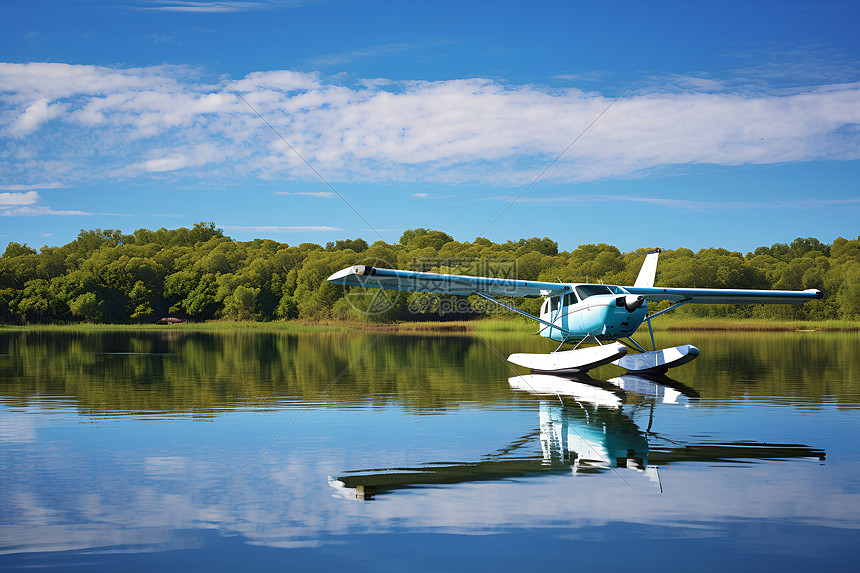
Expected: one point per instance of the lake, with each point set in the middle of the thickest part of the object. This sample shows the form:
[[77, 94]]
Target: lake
[[258, 450]]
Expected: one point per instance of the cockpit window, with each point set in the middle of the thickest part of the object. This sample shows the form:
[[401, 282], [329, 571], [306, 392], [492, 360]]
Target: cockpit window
[[585, 291]]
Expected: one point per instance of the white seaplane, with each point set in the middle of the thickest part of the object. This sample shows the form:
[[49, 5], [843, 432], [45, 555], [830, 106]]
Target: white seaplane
[[578, 314]]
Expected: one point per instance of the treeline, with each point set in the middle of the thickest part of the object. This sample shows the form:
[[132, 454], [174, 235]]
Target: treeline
[[200, 274]]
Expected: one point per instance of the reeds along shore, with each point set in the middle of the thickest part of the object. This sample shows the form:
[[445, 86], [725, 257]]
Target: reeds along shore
[[493, 325]]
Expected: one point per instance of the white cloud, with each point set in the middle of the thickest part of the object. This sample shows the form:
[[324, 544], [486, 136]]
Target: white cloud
[[280, 80], [193, 157], [374, 52], [161, 39], [27, 198], [161, 120], [685, 204], [278, 229], [587, 77], [199, 6], [430, 196], [675, 82], [35, 211], [17, 187], [26, 83], [164, 164], [23, 205], [325, 194], [35, 115]]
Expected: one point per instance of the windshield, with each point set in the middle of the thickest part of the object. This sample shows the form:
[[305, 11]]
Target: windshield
[[585, 291]]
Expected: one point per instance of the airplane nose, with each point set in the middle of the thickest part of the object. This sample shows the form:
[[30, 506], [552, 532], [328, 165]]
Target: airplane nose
[[630, 302]]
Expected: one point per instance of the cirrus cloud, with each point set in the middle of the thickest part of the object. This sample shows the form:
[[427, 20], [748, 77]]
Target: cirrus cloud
[[321, 194], [684, 204], [280, 228], [201, 6], [38, 211]]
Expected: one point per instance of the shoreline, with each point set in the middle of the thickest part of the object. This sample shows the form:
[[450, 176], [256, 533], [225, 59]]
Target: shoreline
[[494, 325]]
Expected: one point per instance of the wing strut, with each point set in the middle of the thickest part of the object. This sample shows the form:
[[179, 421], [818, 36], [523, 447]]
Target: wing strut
[[650, 316], [522, 312], [673, 307]]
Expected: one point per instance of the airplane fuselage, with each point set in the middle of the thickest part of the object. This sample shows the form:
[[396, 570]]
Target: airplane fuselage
[[602, 311]]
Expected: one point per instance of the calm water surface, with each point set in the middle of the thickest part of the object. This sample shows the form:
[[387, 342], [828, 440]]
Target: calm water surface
[[273, 451]]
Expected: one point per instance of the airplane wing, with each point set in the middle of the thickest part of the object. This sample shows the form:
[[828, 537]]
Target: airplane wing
[[725, 296], [373, 277], [644, 285]]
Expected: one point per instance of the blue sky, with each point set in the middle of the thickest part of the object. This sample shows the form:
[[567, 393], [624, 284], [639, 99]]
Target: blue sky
[[732, 124]]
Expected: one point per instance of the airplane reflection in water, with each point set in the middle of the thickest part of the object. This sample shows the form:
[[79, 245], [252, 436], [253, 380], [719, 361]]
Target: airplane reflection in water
[[586, 426]]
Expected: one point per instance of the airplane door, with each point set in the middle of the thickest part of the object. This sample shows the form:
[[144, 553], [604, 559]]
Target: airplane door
[[572, 320]]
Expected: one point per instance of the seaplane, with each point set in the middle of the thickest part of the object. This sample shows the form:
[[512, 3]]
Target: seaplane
[[598, 320]]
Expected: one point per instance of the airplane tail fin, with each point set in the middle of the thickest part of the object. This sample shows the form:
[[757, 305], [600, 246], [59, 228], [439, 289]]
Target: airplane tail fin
[[648, 270]]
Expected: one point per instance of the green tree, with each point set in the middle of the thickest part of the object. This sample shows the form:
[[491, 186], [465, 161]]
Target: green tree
[[34, 304], [140, 299], [423, 238], [14, 249], [87, 307], [241, 304], [202, 303]]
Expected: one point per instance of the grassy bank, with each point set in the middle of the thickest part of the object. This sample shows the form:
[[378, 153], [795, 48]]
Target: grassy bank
[[663, 324], [672, 323], [285, 326], [488, 326]]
